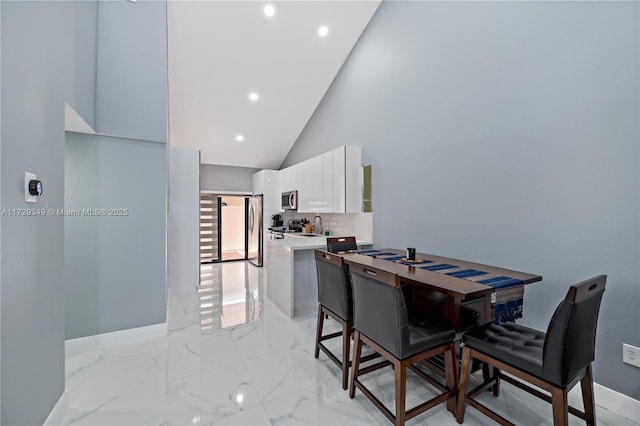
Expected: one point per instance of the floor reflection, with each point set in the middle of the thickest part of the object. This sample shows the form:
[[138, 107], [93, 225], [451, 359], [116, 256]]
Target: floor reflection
[[230, 294]]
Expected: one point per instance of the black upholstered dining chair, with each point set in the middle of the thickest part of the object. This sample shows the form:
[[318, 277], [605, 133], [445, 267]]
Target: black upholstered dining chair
[[338, 244], [554, 361], [334, 300], [381, 321]]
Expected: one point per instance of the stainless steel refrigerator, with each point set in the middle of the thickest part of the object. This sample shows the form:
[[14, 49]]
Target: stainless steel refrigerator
[[254, 230]]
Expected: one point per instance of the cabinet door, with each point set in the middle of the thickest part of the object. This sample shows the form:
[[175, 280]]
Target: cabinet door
[[338, 183], [271, 191], [353, 179], [258, 182], [283, 177], [327, 183], [310, 196]]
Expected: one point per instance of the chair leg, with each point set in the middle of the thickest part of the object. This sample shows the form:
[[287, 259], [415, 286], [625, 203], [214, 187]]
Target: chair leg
[[560, 406], [346, 333], [400, 371], [496, 387], [465, 371], [450, 367], [319, 331], [586, 383], [355, 364]]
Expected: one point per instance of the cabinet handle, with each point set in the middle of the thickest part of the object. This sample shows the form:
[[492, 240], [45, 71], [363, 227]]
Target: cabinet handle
[[369, 271]]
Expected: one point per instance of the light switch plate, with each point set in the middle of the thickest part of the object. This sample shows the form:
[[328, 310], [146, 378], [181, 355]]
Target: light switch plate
[[28, 197]]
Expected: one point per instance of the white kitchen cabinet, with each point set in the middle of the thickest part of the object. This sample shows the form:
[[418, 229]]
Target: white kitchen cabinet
[[338, 186], [327, 183], [310, 192], [284, 179], [267, 182], [290, 178], [353, 179], [347, 179]]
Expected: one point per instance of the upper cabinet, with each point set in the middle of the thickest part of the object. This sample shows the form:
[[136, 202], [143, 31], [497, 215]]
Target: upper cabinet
[[310, 191], [353, 179], [267, 183], [290, 178], [327, 183]]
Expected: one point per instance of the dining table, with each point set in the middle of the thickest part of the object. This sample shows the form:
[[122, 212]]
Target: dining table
[[462, 293]]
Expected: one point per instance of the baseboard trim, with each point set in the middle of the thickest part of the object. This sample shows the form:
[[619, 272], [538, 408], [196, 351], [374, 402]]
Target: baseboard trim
[[116, 338], [58, 411], [617, 402]]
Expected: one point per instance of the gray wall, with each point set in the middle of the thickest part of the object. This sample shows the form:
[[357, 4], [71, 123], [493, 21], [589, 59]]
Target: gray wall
[[226, 178], [114, 265], [505, 133], [183, 225], [132, 70], [40, 70]]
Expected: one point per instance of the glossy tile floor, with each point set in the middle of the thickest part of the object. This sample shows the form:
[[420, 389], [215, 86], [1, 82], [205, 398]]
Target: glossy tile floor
[[231, 357]]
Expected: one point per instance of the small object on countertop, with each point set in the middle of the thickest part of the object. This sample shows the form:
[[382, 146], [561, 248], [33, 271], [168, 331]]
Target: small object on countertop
[[411, 253], [326, 232], [317, 225]]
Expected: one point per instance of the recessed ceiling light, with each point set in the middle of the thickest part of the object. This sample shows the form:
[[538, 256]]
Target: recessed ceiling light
[[323, 31], [269, 10], [253, 96], [239, 138]]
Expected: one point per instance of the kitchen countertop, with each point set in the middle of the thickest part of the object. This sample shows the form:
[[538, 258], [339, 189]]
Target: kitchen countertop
[[291, 271], [297, 241]]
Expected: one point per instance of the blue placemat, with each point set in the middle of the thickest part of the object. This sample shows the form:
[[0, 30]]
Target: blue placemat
[[437, 267], [392, 258], [501, 281], [467, 273], [374, 253]]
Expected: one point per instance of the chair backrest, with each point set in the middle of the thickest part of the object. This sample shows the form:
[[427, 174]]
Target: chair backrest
[[379, 309], [338, 244], [569, 344], [334, 284]]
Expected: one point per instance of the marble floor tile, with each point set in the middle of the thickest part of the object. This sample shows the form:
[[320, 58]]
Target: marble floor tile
[[210, 397], [255, 339], [280, 373], [190, 353], [319, 405], [113, 375], [143, 407], [259, 373], [256, 416]]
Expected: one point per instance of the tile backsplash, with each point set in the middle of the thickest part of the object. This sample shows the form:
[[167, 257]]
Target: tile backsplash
[[341, 224]]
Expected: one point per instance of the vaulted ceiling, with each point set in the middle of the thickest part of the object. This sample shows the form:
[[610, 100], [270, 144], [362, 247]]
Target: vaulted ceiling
[[220, 52]]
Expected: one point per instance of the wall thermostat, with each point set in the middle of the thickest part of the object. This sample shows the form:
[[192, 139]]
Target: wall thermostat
[[35, 187], [32, 188]]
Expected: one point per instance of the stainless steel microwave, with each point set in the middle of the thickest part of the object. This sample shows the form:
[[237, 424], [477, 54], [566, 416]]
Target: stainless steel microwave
[[290, 200]]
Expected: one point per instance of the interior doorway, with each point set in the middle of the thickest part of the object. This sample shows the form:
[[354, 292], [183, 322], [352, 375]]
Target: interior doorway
[[233, 233], [230, 228]]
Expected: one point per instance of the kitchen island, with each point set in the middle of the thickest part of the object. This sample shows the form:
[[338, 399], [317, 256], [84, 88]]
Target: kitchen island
[[292, 282]]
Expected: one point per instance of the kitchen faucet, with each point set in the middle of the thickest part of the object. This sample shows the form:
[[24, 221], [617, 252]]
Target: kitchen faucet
[[317, 225]]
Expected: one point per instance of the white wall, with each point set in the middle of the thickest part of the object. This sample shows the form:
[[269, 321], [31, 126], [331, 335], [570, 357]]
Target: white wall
[[183, 237], [505, 133], [114, 263]]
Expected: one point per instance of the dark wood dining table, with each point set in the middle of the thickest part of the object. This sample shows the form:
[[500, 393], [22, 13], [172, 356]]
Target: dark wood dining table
[[462, 302]]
